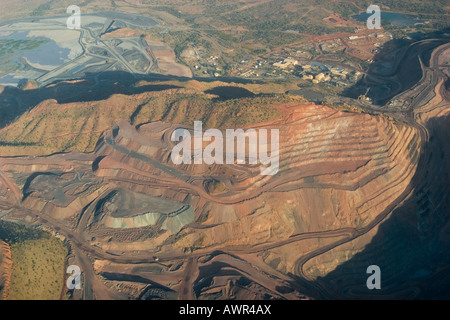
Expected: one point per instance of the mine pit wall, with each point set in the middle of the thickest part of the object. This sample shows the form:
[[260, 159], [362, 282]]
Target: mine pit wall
[[5, 268], [414, 238], [171, 223], [349, 167], [408, 243], [404, 153], [432, 192], [61, 212], [337, 170], [160, 148], [287, 213]]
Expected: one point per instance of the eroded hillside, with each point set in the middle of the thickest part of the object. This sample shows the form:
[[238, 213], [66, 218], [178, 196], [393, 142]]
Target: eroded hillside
[[142, 227]]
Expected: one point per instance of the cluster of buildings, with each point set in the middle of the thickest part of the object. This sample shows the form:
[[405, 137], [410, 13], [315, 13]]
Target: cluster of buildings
[[210, 66], [314, 72], [299, 62], [317, 72], [338, 76]]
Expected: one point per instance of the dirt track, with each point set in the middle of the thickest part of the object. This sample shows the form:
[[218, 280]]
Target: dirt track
[[120, 165]]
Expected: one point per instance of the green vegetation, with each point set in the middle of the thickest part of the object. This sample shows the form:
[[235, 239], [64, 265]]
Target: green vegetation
[[187, 108], [78, 126], [170, 10], [276, 16], [10, 46], [345, 9], [266, 24], [38, 270], [38, 263], [41, 10], [182, 40], [14, 233], [270, 38], [243, 112], [216, 187], [253, 29], [10, 49], [412, 6]]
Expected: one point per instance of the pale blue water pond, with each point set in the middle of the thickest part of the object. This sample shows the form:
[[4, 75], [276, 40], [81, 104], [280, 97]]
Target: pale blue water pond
[[397, 19]]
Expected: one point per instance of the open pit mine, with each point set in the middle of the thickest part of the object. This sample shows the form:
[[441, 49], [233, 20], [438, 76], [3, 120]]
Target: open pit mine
[[353, 189]]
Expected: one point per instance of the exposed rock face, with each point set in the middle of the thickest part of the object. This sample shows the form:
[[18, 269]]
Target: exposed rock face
[[28, 85], [339, 172], [411, 246], [348, 167], [5, 269], [352, 190], [133, 210]]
